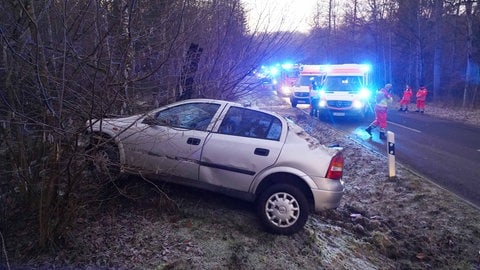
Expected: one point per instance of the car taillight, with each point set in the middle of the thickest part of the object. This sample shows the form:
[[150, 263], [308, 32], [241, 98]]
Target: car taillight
[[335, 169]]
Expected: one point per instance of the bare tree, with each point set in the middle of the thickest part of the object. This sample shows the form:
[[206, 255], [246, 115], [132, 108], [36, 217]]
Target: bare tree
[[437, 58], [65, 62], [470, 70], [415, 42]]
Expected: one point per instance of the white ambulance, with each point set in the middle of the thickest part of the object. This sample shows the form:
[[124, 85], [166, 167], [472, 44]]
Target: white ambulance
[[344, 91], [310, 80]]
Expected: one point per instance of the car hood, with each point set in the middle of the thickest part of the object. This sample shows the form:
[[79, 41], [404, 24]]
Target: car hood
[[116, 124], [301, 88]]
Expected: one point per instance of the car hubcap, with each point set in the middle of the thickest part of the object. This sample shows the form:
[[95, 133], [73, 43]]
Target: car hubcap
[[102, 161], [282, 209]]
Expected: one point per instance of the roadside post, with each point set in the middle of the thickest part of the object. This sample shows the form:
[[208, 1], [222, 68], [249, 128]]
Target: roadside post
[[391, 153]]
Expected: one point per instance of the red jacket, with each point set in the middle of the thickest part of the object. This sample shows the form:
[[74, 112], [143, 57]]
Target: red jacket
[[422, 93], [407, 94]]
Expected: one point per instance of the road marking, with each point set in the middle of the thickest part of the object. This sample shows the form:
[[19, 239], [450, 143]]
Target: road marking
[[412, 129]]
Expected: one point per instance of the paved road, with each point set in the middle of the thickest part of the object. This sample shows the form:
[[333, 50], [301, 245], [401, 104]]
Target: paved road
[[446, 152]]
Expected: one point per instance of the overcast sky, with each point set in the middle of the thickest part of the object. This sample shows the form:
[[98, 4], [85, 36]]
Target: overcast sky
[[269, 13]]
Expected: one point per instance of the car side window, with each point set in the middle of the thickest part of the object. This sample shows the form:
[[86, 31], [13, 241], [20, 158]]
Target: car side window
[[188, 116], [250, 123]]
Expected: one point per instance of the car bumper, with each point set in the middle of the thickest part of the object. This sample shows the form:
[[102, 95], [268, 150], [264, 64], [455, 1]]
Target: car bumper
[[327, 194], [302, 100], [346, 112], [326, 199]]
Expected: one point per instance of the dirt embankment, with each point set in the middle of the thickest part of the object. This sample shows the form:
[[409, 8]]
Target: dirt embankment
[[382, 223]]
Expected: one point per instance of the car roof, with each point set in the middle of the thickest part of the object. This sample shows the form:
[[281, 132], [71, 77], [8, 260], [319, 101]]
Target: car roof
[[205, 100], [226, 102]]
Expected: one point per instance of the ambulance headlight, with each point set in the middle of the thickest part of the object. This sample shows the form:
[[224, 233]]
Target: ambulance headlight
[[286, 89], [357, 104], [322, 103], [365, 93]]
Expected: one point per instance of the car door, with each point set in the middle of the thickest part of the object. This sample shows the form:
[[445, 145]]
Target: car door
[[170, 143], [245, 143]]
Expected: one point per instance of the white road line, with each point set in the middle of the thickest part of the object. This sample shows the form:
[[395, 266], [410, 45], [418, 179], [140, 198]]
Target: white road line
[[412, 129]]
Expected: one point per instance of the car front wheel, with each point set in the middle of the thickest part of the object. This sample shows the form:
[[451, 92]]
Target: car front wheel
[[283, 209], [105, 160], [294, 103]]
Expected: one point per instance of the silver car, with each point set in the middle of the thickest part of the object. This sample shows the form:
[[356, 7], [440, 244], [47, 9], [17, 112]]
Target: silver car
[[225, 147]]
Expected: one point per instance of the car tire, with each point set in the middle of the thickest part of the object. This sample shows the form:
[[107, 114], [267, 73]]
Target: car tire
[[294, 103], [105, 160], [283, 209]]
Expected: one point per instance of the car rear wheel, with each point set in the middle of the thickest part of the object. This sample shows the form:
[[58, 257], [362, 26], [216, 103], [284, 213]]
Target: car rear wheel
[[283, 209]]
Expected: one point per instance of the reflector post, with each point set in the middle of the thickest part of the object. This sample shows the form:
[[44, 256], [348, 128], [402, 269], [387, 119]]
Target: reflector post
[[391, 153]]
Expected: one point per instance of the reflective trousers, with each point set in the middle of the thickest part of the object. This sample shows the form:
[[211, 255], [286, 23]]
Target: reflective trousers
[[421, 104], [404, 101], [380, 118]]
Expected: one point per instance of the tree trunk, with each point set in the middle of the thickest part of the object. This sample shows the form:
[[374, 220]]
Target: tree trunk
[[469, 71], [437, 57]]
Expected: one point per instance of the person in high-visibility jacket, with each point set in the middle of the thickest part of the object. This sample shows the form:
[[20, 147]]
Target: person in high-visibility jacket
[[421, 98], [383, 98], [407, 96]]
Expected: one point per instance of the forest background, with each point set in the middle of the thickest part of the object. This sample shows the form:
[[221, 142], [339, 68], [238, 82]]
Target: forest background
[[64, 62]]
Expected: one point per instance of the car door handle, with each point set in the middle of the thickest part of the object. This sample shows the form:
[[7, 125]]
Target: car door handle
[[261, 152], [193, 141]]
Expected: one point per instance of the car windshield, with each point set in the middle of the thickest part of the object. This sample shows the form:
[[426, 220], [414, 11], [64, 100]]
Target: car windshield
[[343, 83], [308, 80], [190, 116], [291, 73]]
